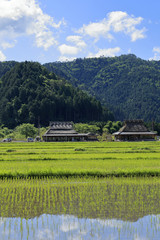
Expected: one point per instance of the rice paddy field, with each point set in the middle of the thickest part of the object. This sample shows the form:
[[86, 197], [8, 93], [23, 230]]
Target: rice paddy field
[[87, 190], [80, 159]]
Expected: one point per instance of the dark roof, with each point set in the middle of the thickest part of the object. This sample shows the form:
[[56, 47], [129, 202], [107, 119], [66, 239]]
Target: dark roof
[[60, 129], [61, 125], [133, 127], [52, 131]]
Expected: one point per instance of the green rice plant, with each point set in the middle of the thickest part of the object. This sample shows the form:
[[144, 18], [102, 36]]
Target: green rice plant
[[127, 199], [68, 159]]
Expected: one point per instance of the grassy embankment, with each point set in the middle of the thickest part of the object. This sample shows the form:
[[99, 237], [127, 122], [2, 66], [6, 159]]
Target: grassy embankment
[[84, 159]]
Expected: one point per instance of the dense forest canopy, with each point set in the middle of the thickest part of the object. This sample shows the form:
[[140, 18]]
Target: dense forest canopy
[[128, 85], [28, 91], [5, 67]]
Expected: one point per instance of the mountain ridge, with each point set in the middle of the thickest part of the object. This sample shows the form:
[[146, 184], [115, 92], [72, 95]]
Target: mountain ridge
[[28, 91], [128, 85]]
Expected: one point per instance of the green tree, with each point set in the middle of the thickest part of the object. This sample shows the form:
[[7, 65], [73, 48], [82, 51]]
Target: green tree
[[27, 129], [85, 128]]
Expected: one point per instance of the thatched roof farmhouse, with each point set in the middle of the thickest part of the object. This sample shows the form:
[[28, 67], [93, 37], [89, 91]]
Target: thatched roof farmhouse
[[134, 130], [63, 131]]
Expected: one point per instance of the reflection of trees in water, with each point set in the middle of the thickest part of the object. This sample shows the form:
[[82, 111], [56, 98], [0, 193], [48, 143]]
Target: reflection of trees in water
[[107, 199]]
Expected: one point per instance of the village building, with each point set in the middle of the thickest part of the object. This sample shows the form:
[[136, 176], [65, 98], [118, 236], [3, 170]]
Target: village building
[[63, 131], [134, 130]]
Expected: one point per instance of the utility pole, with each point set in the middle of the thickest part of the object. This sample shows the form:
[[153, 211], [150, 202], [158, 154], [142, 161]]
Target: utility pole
[[39, 126], [152, 125]]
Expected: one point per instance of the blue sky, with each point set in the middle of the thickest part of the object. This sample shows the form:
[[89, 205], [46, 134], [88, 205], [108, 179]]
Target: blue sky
[[60, 30]]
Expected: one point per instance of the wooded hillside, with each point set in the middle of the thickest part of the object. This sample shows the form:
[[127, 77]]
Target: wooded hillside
[[129, 85], [29, 91]]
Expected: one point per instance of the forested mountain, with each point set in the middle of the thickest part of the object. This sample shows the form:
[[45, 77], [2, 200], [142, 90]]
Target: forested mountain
[[29, 91], [6, 66], [129, 85]]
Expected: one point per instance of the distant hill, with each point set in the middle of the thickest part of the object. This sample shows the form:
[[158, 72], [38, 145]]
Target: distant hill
[[129, 85], [28, 91], [6, 66]]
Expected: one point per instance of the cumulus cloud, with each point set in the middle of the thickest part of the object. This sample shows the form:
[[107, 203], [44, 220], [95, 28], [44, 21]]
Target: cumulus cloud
[[96, 30], [115, 22], [68, 49], [156, 56], [77, 45], [77, 40], [109, 52], [67, 226], [6, 45], [19, 18], [69, 223], [45, 234], [2, 56]]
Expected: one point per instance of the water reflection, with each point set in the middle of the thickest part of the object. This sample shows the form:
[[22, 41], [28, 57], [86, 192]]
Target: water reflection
[[110, 209], [70, 227]]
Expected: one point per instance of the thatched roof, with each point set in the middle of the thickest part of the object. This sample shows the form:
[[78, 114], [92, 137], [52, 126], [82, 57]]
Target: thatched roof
[[63, 129], [61, 125], [133, 127]]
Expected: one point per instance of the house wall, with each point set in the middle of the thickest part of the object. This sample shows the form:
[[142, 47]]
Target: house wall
[[64, 139], [134, 137]]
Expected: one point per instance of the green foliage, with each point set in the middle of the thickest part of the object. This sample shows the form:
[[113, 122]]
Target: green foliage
[[27, 129], [112, 127], [154, 126], [29, 91], [5, 132], [129, 85], [6, 66], [85, 128]]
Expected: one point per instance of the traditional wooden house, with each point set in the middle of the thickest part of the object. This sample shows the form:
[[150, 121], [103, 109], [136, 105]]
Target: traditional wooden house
[[134, 130], [63, 131]]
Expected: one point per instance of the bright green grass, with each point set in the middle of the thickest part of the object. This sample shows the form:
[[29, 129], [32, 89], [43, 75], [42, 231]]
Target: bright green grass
[[80, 159]]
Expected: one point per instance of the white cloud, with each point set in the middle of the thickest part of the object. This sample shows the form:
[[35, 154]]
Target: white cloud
[[6, 45], [110, 52], [137, 34], [2, 56], [19, 18], [77, 40], [115, 22], [68, 50], [68, 226], [156, 49], [156, 56], [97, 30], [45, 234], [78, 46]]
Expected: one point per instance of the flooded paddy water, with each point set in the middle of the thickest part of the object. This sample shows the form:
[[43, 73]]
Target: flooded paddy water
[[80, 208]]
